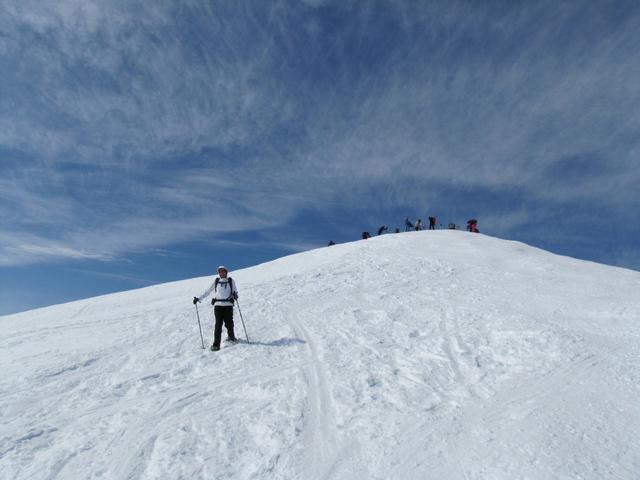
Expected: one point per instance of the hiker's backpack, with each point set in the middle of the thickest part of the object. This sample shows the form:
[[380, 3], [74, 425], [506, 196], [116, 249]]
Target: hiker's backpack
[[230, 281]]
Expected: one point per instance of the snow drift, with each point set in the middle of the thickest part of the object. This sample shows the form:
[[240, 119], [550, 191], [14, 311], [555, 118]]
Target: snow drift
[[427, 355]]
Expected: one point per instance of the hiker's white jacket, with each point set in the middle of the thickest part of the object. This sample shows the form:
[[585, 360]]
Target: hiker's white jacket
[[222, 293]]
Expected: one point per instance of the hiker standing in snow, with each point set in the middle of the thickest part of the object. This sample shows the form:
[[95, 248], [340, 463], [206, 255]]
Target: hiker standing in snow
[[224, 294], [418, 225], [432, 223], [382, 229]]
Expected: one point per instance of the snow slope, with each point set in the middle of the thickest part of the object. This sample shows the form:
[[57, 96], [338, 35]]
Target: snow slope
[[427, 355]]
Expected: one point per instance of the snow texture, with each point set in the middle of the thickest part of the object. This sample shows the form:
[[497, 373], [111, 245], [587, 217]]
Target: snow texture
[[422, 355]]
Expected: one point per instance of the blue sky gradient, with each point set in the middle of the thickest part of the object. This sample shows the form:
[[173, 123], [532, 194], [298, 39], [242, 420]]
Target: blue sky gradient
[[143, 142]]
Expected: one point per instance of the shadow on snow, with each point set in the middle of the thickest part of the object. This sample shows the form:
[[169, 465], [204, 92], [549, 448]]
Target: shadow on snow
[[282, 342]]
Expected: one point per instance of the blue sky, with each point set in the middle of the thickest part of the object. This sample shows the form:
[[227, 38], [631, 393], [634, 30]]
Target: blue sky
[[143, 142]]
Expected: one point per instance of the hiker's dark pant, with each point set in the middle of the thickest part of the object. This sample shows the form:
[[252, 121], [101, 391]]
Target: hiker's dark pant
[[223, 314]]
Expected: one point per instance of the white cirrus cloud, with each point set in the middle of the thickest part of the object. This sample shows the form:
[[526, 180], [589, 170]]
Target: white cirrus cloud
[[131, 125]]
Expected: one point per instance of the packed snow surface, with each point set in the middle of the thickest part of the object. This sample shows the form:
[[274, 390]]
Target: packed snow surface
[[426, 355]]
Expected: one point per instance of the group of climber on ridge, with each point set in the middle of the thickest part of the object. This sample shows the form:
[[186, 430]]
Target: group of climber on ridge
[[472, 226]]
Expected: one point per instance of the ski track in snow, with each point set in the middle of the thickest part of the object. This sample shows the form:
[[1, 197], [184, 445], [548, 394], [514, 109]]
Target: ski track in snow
[[430, 355]]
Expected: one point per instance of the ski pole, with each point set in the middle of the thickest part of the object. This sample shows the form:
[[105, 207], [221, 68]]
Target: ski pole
[[242, 319], [199, 326]]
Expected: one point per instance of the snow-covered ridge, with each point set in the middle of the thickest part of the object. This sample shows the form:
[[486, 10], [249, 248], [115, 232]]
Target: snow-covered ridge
[[441, 355]]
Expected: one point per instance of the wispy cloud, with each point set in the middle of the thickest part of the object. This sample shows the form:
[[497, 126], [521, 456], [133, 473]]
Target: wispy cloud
[[22, 248], [130, 279], [58, 251]]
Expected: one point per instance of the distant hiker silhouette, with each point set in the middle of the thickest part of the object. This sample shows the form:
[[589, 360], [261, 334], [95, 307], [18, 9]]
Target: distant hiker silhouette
[[397, 230], [331, 242], [472, 226], [382, 229], [418, 225], [366, 235], [407, 225], [432, 223]]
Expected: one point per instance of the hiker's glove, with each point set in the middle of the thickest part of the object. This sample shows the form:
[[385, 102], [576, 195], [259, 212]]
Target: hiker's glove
[[213, 301], [195, 300], [235, 295]]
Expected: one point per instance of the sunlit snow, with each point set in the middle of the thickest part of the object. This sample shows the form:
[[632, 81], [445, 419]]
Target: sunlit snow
[[426, 355]]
